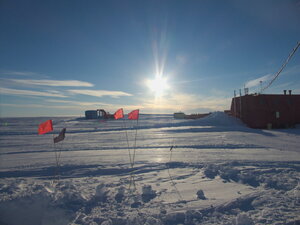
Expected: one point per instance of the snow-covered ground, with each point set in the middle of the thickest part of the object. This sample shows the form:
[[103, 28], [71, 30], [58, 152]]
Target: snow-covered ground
[[212, 170]]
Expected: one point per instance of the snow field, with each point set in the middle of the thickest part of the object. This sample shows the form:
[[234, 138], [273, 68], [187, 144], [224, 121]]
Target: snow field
[[244, 176]]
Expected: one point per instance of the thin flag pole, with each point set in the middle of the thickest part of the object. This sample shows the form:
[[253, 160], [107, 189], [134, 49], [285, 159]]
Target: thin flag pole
[[58, 149], [56, 160], [59, 152], [137, 124], [129, 153], [133, 116], [169, 173], [132, 181], [171, 178]]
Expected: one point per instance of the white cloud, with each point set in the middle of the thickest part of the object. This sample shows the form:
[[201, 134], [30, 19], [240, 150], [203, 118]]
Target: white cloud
[[17, 73], [78, 106], [56, 83], [9, 91], [100, 93], [78, 102], [256, 82], [40, 106]]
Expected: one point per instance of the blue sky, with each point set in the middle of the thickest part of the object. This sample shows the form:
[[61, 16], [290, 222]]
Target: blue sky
[[64, 57]]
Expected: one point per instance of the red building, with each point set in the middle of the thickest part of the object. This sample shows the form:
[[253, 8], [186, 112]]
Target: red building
[[267, 111]]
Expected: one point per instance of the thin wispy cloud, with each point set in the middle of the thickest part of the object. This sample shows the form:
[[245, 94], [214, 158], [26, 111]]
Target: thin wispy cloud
[[284, 85], [55, 83], [80, 103], [203, 78], [40, 106], [291, 70], [96, 105], [256, 82], [100, 93], [9, 91], [294, 86], [18, 73], [80, 108]]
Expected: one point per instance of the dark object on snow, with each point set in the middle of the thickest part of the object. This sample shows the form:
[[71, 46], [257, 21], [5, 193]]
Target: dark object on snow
[[181, 115], [98, 114], [200, 195]]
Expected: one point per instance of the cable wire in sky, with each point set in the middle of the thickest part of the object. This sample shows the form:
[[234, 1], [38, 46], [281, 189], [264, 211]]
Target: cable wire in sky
[[282, 67]]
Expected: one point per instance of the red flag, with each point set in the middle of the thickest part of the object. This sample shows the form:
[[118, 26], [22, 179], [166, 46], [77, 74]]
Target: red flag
[[119, 114], [134, 115], [61, 136], [45, 127]]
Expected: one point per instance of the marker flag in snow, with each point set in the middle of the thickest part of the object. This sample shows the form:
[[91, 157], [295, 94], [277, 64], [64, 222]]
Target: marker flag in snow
[[60, 137], [119, 114], [45, 127], [134, 115]]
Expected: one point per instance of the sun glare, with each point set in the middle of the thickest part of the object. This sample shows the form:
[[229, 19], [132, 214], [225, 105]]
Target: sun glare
[[158, 85]]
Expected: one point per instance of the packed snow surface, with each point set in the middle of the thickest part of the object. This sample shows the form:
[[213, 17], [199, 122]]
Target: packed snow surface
[[157, 170]]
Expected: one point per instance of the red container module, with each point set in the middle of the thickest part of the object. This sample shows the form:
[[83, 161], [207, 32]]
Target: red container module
[[267, 110]]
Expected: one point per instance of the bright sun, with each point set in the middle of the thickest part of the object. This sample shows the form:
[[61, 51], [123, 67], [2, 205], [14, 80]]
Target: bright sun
[[158, 85]]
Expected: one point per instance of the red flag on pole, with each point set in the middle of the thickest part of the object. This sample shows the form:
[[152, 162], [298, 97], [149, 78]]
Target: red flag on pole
[[119, 114], [134, 115], [45, 127], [60, 137]]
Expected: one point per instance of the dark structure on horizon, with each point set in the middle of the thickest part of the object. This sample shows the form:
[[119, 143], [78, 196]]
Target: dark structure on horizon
[[98, 114], [267, 110]]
